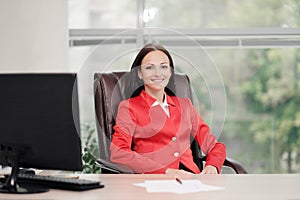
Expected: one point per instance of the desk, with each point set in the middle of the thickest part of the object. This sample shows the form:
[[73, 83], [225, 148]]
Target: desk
[[120, 187]]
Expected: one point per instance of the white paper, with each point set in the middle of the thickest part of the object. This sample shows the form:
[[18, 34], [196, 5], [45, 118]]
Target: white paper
[[172, 186]]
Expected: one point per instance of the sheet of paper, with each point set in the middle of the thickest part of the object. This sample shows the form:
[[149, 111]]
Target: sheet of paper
[[172, 186]]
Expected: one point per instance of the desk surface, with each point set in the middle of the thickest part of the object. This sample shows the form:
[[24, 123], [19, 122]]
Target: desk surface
[[249, 186]]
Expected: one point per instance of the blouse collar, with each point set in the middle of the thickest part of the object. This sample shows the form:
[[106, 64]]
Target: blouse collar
[[151, 100]]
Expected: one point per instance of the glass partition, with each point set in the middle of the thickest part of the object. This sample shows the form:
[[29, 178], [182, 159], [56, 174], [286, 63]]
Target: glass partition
[[221, 14], [242, 57], [102, 14]]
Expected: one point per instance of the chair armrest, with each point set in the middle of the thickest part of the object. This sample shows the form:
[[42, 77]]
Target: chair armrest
[[235, 165], [111, 168]]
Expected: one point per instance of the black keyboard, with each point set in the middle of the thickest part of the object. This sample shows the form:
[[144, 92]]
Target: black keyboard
[[58, 182]]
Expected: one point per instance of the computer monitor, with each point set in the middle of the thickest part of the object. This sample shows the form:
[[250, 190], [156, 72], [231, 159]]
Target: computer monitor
[[39, 124]]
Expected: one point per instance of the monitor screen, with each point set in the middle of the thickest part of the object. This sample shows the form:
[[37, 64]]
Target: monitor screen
[[39, 121]]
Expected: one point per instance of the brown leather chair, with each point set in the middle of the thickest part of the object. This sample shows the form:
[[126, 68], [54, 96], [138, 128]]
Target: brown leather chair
[[108, 92]]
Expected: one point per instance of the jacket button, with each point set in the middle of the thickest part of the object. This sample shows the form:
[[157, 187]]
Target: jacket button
[[174, 139], [176, 154]]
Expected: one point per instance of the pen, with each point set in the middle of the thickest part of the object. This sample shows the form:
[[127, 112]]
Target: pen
[[178, 180]]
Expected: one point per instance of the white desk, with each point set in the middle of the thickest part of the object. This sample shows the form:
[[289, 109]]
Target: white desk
[[120, 187]]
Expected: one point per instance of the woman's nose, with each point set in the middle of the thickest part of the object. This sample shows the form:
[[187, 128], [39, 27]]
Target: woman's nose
[[157, 71]]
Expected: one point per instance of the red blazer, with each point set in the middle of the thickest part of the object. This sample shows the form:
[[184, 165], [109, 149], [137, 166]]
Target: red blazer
[[148, 141]]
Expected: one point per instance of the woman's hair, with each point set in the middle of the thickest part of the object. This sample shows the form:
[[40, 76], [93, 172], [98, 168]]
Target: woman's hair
[[135, 85]]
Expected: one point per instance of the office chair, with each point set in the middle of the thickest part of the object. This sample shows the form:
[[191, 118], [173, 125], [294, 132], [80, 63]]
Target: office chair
[[109, 90]]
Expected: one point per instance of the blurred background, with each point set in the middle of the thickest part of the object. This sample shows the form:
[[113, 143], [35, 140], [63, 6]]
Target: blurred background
[[243, 58]]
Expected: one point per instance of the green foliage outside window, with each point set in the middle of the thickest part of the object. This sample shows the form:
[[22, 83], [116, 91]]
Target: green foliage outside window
[[90, 149], [274, 92]]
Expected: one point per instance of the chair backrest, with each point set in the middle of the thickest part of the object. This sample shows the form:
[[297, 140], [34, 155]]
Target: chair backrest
[[109, 90]]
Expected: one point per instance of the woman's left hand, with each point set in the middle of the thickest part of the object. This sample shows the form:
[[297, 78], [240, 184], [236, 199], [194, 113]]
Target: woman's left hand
[[209, 169]]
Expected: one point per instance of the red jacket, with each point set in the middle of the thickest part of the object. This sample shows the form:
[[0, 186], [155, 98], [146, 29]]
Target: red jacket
[[148, 141]]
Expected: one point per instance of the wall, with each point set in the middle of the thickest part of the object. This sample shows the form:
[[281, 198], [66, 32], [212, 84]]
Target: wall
[[34, 35]]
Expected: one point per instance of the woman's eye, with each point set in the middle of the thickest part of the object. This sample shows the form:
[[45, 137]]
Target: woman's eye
[[148, 67], [165, 66]]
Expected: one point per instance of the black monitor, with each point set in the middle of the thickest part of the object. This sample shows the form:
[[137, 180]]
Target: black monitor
[[39, 123]]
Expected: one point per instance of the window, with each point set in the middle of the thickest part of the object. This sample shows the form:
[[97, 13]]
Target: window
[[242, 57], [221, 14]]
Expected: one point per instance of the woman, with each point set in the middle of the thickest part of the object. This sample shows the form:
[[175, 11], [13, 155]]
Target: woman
[[153, 126]]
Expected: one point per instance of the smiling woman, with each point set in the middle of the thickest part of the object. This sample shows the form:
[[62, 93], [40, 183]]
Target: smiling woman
[[153, 127]]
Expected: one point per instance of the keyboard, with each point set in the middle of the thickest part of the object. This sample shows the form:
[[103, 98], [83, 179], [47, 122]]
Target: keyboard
[[57, 182]]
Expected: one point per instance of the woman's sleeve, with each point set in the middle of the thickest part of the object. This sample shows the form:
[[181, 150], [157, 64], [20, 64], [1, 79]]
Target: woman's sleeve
[[215, 151], [120, 147]]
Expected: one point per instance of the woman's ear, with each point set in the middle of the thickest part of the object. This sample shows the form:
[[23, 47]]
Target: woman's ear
[[140, 74]]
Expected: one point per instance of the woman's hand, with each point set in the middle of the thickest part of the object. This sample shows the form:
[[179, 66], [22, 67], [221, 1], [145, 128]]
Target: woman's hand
[[176, 171], [209, 169]]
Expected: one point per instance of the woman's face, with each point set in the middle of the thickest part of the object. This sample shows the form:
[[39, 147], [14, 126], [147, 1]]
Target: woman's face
[[155, 71]]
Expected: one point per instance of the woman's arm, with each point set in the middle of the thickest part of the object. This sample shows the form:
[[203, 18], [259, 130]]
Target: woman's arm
[[121, 151], [215, 151]]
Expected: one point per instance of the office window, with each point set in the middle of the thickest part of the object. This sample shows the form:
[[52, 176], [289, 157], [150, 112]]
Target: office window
[[261, 126], [102, 14], [221, 14], [242, 58]]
